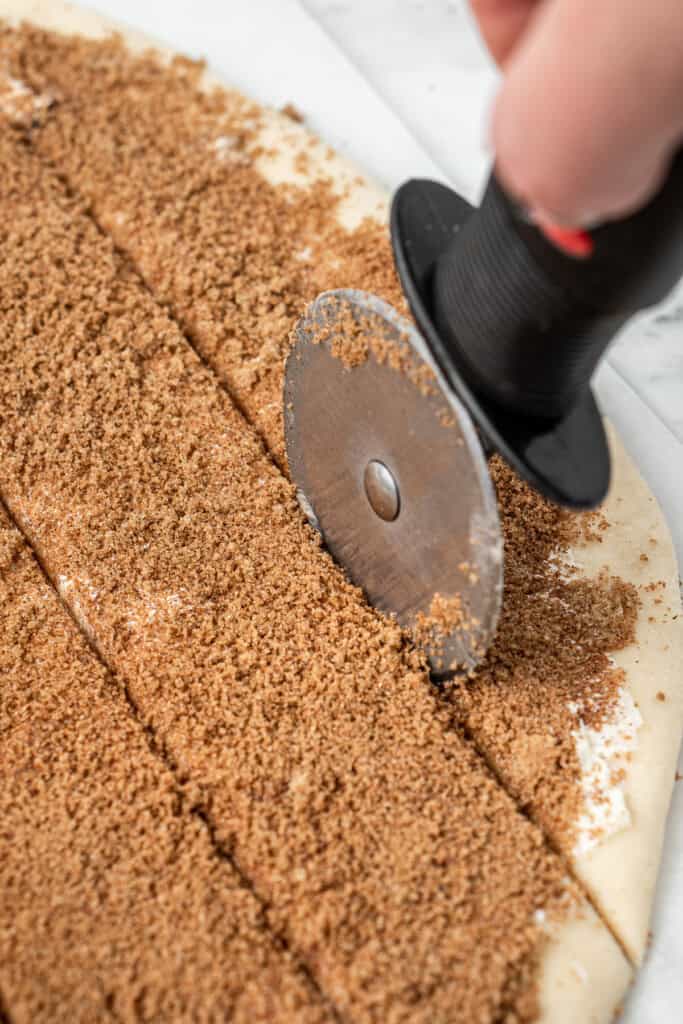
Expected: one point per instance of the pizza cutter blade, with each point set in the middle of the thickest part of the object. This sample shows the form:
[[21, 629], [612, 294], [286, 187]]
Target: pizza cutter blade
[[390, 469]]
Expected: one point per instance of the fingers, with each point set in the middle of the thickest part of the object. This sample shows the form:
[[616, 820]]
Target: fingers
[[502, 23], [591, 108]]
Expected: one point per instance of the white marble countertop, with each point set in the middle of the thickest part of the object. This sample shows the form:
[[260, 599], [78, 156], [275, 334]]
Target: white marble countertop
[[403, 87]]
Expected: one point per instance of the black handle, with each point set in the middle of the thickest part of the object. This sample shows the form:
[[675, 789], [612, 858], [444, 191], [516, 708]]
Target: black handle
[[530, 321]]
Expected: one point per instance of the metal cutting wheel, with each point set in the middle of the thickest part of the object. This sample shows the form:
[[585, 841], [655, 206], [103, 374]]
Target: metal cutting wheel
[[390, 469]]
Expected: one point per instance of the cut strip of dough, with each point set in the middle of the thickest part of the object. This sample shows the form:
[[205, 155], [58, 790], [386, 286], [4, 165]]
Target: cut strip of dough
[[111, 894]]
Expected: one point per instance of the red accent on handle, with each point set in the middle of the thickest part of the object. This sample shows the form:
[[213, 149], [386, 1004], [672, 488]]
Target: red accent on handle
[[571, 240]]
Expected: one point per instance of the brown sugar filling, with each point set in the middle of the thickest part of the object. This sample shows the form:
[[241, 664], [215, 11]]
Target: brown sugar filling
[[298, 718], [552, 650], [223, 249], [236, 259], [113, 902]]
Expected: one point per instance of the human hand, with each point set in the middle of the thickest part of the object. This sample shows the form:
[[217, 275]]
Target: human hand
[[590, 110]]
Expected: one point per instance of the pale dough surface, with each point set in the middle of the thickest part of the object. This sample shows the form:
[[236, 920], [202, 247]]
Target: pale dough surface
[[584, 974], [621, 871]]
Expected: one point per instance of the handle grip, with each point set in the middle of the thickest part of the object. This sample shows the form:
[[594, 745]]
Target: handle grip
[[529, 315]]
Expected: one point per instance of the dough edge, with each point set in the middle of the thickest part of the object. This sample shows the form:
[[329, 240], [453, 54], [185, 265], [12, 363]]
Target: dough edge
[[621, 871], [583, 975]]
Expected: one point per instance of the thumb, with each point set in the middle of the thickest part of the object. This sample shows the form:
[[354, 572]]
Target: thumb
[[591, 108]]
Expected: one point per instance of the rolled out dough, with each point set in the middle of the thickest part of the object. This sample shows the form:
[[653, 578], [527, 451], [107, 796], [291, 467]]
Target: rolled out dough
[[583, 973]]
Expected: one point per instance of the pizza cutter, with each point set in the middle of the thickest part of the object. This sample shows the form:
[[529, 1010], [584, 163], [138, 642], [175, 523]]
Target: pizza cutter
[[389, 422]]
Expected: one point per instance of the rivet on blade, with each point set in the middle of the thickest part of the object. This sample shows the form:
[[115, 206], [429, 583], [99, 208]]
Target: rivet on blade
[[382, 490]]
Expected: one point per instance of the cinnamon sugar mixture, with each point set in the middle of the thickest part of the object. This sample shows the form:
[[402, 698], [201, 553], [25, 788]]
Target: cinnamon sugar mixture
[[294, 718], [298, 721], [551, 653], [113, 903], [168, 171]]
